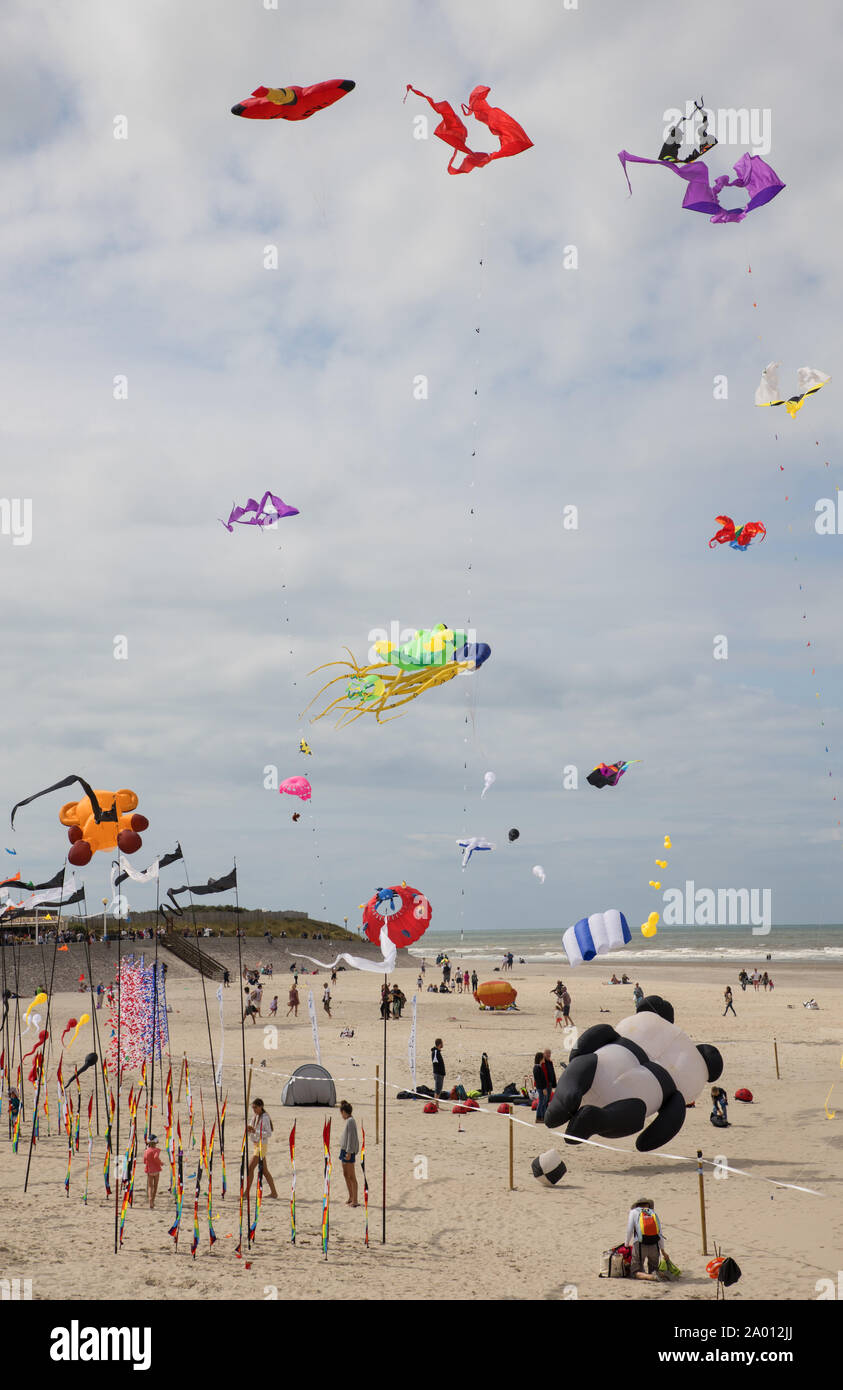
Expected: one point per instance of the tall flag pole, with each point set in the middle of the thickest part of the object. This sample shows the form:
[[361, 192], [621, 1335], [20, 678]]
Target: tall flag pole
[[293, 1184]]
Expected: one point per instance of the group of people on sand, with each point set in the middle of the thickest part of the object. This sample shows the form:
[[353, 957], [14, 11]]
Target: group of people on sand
[[756, 980], [393, 1000]]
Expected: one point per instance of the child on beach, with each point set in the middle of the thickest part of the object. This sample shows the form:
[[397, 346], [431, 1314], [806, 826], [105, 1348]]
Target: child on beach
[[273, 1008], [152, 1168]]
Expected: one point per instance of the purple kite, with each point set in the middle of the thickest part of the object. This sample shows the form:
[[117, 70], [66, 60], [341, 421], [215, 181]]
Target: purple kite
[[760, 181], [258, 514]]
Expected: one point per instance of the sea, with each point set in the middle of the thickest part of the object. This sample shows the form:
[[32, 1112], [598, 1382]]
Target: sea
[[806, 943]]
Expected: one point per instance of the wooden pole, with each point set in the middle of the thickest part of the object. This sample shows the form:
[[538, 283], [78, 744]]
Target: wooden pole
[[702, 1202], [377, 1104], [181, 1076], [776, 1055], [511, 1150]]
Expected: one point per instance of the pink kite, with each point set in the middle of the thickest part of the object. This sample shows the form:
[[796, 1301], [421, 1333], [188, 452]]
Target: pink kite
[[296, 786], [513, 140]]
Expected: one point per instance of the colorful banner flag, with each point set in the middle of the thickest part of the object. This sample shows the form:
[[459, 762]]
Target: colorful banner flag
[[326, 1192], [293, 1184], [311, 1009], [411, 1045], [365, 1183]]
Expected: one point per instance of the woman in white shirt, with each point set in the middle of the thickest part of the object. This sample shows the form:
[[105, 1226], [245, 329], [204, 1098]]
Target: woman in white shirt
[[260, 1131]]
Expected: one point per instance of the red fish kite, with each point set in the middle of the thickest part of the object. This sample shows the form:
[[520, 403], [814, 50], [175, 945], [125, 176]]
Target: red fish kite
[[513, 140], [292, 103]]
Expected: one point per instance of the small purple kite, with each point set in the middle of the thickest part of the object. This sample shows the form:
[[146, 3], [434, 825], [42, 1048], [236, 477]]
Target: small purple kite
[[257, 514], [760, 181]]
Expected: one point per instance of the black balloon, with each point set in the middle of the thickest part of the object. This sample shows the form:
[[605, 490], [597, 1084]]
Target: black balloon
[[513, 834], [90, 1061]]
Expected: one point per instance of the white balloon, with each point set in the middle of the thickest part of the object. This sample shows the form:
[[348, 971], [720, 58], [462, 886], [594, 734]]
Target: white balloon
[[539, 872]]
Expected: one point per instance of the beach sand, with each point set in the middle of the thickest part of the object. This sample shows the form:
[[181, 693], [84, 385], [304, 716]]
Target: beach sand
[[454, 1229]]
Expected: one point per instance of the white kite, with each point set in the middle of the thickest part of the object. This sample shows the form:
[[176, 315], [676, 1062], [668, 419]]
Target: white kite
[[469, 846]]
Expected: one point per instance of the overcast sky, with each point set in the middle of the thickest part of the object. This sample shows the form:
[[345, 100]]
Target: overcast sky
[[144, 257]]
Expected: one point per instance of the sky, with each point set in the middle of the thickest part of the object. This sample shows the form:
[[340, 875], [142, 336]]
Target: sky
[[549, 386]]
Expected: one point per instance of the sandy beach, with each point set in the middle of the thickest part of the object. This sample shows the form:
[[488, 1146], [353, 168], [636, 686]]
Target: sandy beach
[[454, 1229]]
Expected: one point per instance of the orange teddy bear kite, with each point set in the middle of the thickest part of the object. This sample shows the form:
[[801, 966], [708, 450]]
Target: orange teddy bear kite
[[101, 820]]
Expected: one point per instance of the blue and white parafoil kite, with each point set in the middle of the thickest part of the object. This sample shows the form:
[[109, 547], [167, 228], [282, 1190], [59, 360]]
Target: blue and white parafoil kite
[[595, 935]]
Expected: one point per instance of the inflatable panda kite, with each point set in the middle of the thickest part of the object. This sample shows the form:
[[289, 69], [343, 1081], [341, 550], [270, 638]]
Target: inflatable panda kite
[[617, 1078]]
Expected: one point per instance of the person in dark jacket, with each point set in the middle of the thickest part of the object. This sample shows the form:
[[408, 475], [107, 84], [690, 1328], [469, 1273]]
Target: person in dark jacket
[[486, 1087], [540, 1083], [438, 1067]]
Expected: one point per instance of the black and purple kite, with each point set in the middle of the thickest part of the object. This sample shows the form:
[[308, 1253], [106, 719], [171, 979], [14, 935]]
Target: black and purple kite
[[258, 513], [760, 181]]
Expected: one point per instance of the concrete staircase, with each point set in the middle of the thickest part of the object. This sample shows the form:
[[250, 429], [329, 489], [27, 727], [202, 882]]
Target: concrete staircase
[[187, 951]]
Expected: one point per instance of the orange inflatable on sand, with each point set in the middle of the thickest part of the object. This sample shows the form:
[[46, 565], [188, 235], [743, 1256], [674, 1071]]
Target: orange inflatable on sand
[[496, 994]]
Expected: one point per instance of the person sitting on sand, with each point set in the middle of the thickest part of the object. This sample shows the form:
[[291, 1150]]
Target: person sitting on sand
[[349, 1149], [645, 1239], [614, 980], [260, 1131]]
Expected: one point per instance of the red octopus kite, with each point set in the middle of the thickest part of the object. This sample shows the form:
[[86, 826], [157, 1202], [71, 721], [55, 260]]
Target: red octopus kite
[[513, 140]]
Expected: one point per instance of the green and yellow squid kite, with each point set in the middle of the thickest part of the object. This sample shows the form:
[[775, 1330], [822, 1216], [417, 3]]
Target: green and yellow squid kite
[[431, 657]]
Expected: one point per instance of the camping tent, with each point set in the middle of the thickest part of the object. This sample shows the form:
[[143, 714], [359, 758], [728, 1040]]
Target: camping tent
[[309, 1085]]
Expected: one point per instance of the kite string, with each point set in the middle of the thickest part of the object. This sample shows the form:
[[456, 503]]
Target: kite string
[[802, 586]]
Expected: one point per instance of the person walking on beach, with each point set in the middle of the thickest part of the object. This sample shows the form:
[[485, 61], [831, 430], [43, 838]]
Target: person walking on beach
[[637, 995], [438, 1067], [474, 981], [566, 1006], [349, 1149], [326, 1000], [100, 993], [727, 995], [152, 1168], [226, 978], [260, 1130], [386, 998], [293, 1001], [273, 1008], [559, 1018], [765, 980]]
